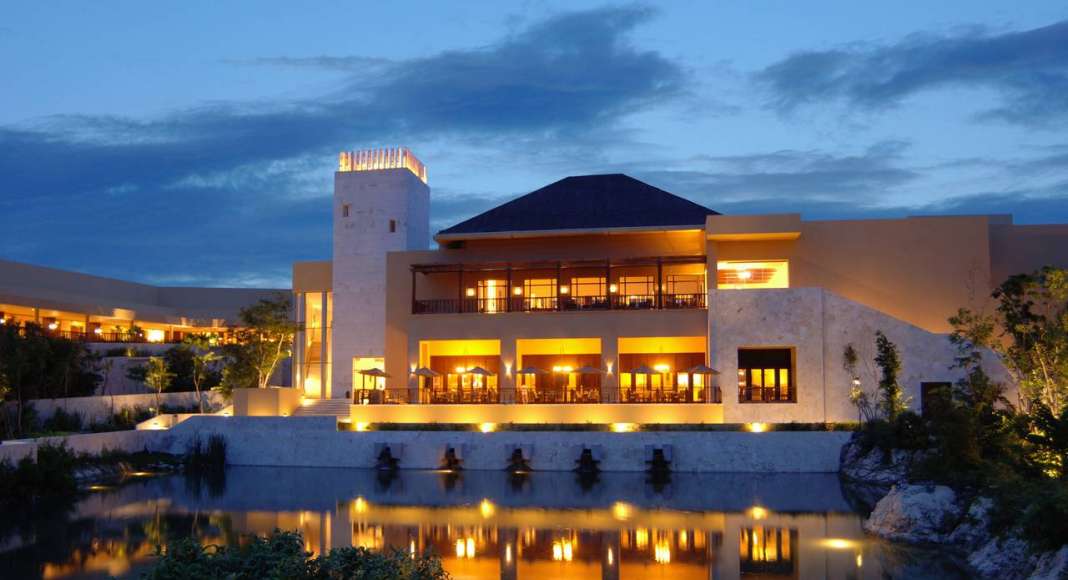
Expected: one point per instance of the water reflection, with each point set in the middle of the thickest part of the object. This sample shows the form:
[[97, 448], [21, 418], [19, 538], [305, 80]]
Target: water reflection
[[484, 525]]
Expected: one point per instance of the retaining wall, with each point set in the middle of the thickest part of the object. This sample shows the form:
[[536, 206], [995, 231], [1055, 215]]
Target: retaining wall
[[99, 408], [314, 441], [87, 444]]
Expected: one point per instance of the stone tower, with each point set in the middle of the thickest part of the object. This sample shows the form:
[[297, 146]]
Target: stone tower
[[381, 204]]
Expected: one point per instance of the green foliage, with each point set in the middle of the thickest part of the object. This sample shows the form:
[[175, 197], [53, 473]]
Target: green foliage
[[265, 339], [62, 421], [282, 555], [158, 378], [1048, 434], [37, 365], [891, 401], [210, 455], [30, 482]]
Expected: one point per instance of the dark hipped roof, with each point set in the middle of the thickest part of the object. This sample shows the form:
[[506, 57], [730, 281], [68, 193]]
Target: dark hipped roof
[[585, 202]]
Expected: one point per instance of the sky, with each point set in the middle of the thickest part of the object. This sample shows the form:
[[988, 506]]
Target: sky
[[194, 143]]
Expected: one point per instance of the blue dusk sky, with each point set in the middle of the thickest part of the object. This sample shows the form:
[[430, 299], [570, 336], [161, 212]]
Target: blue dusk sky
[[194, 143]]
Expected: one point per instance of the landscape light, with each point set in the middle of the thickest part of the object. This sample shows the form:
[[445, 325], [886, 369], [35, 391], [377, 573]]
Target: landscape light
[[487, 427], [624, 427], [756, 427]]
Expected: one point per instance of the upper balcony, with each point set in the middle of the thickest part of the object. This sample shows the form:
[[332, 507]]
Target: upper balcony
[[664, 282]]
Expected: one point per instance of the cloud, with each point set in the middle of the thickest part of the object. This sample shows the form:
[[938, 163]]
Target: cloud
[[1027, 69], [214, 192], [787, 176]]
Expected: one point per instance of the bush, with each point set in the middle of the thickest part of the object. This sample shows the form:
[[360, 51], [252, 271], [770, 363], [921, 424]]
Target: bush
[[62, 421], [51, 476], [282, 555], [207, 456]]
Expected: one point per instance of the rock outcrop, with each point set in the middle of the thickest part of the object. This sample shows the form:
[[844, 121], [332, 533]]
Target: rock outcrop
[[874, 466], [915, 514]]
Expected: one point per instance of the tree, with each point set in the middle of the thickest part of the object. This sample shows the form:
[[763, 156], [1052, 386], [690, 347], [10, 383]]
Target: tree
[[158, 377], [265, 339], [204, 359], [891, 398], [1028, 332]]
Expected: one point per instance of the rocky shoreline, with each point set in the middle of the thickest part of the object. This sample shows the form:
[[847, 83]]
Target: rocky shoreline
[[922, 514]]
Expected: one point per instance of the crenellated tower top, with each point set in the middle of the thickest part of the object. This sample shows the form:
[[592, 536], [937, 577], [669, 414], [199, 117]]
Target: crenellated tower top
[[386, 158]]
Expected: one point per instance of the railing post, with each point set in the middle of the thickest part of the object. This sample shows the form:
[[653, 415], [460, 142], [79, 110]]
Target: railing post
[[659, 283], [508, 291], [559, 302], [413, 290], [608, 282], [460, 293]]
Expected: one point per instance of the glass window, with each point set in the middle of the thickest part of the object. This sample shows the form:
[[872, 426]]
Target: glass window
[[685, 284], [491, 295], [735, 275], [540, 293], [764, 375]]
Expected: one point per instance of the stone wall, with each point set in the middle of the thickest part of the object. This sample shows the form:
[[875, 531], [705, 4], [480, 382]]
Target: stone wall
[[314, 441], [818, 325], [83, 444], [99, 408]]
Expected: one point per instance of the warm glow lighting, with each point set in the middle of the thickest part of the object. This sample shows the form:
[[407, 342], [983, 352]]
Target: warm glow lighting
[[470, 547], [613, 288], [758, 513], [154, 335], [411, 548], [487, 427], [608, 365], [361, 426], [838, 544], [563, 550], [98, 330], [361, 505], [518, 291], [564, 289], [860, 560], [507, 369], [374, 159], [756, 427], [611, 557], [486, 508], [622, 511], [470, 292], [662, 553], [459, 548], [662, 368], [507, 553], [460, 370], [53, 326], [744, 274], [624, 427]]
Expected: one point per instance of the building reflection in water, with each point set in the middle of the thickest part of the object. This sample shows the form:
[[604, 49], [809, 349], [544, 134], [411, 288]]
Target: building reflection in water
[[614, 533]]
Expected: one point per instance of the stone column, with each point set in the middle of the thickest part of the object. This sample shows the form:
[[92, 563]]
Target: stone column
[[610, 363]]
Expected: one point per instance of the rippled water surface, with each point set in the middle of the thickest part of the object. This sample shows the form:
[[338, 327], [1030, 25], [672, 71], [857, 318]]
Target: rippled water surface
[[483, 524]]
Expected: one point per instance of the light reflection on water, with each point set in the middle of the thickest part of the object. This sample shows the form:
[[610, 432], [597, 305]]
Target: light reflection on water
[[485, 524]]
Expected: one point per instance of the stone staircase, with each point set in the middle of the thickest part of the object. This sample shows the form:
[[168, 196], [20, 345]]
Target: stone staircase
[[324, 408]]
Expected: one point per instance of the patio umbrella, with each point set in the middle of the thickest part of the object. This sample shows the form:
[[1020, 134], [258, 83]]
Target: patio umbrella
[[588, 370], [425, 372], [702, 370], [374, 373], [531, 371], [642, 370], [479, 371]]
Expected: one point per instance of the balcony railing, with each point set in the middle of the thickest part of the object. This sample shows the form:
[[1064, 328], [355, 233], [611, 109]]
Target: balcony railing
[[565, 303], [529, 396], [104, 337]]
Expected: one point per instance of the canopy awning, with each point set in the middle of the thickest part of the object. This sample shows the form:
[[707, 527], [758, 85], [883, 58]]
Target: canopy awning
[[374, 373], [425, 372], [531, 371], [702, 370]]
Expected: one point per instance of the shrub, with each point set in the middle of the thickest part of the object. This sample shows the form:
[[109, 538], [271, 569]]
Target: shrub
[[282, 555], [51, 476], [210, 455], [62, 421]]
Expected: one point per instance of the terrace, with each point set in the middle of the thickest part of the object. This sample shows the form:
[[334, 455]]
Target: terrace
[[653, 283]]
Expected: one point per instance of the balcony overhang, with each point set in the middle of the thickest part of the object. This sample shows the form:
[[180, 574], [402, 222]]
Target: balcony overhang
[[554, 264], [505, 235], [748, 228]]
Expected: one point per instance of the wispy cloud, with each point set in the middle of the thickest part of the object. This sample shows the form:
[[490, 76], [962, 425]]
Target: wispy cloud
[[218, 190], [1028, 70]]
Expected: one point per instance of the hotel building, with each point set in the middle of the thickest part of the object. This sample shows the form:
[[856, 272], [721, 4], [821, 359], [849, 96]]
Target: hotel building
[[604, 299]]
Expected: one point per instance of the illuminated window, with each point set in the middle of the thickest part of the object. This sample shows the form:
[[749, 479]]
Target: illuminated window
[[491, 295], [685, 284], [764, 375], [582, 287], [768, 552], [539, 293], [745, 275]]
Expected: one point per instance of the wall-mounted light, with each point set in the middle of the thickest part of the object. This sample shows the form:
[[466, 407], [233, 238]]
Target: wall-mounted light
[[756, 427], [53, 325], [608, 366], [98, 330], [507, 369], [470, 292], [662, 368], [518, 291], [487, 427], [613, 288], [564, 289]]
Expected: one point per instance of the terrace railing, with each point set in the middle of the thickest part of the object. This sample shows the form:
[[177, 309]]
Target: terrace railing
[[566, 303]]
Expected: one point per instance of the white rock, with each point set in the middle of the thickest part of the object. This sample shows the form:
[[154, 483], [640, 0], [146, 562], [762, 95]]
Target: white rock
[[1051, 565], [974, 529], [915, 514], [1005, 558], [874, 466]]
